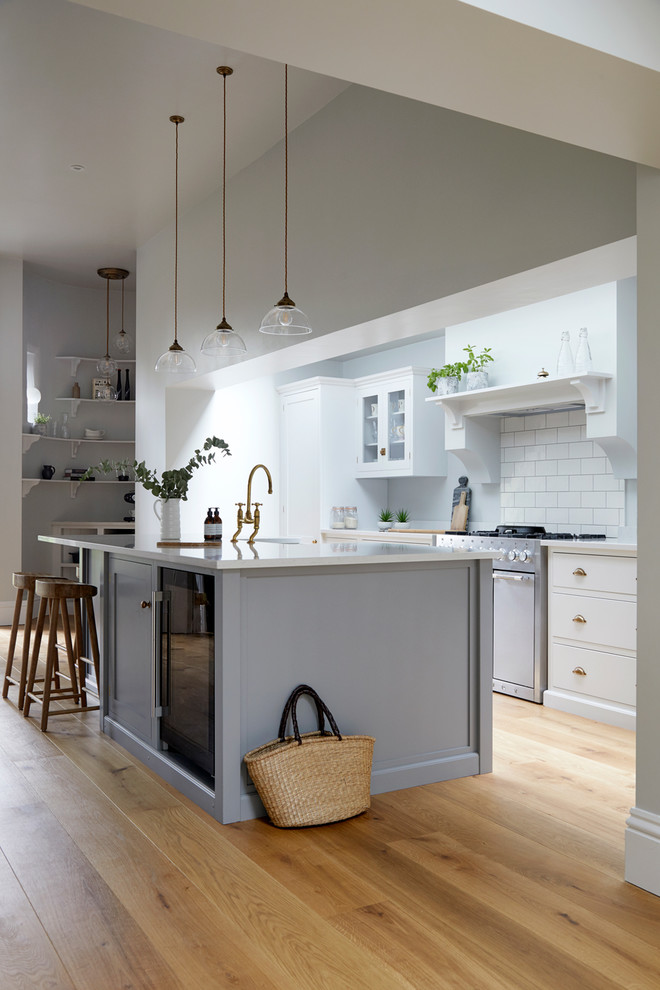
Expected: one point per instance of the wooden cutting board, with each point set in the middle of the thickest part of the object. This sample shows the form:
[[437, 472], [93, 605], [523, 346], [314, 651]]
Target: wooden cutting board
[[459, 516]]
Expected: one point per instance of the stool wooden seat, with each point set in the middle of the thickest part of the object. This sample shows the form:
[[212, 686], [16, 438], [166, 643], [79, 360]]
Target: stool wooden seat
[[23, 581], [55, 596]]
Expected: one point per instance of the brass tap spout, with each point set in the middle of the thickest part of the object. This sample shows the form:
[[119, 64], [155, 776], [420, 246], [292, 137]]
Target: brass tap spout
[[248, 513]]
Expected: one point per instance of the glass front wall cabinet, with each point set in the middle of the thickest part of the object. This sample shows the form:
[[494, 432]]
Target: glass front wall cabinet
[[186, 681], [398, 432]]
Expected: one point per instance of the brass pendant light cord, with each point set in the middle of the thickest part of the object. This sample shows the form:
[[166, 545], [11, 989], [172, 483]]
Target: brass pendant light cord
[[224, 184], [286, 177], [107, 318], [122, 306], [176, 121]]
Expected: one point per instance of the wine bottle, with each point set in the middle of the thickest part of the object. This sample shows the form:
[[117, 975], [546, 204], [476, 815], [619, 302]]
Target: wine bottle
[[127, 386], [208, 526], [217, 523], [119, 392]]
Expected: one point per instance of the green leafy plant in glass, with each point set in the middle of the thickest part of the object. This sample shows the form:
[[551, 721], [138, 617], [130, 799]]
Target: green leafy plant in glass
[[170, 484]]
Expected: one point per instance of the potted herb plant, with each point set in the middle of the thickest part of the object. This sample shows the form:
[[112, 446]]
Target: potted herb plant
[[171, 487], [446, 380], [385, 519], [475, 376], [402, 519], [41, 421]]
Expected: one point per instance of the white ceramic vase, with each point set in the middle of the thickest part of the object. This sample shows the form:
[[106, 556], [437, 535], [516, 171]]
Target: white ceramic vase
[[476, 379], [169, 518], [447, 386]]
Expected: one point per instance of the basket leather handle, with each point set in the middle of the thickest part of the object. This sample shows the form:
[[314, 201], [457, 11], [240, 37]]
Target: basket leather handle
[[321, 711]]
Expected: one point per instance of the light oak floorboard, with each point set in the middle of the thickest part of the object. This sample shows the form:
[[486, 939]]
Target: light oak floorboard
[[110, 879]]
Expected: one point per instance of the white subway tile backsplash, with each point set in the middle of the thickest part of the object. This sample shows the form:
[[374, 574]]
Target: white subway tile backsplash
[[557, 450], [556, 419], [524, 469], [568, 434], [583, 449], [558, 483], [569, 500], [581, 483], [582, 517], [535, 484], [553, 475], [606, 517], [524, 438], [593, 465]]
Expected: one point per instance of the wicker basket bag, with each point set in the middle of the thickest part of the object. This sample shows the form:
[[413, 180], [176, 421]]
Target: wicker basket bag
[[315, 777]]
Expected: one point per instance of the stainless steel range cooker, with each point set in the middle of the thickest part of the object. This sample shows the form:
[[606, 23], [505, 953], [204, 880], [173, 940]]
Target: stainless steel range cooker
[[520, 641]]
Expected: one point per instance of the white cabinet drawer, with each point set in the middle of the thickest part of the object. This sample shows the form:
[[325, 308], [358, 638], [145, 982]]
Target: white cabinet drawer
[[592, 572], [605, 676], [604, 622]]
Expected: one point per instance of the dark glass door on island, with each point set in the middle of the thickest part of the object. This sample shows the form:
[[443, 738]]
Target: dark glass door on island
[[186, 703]]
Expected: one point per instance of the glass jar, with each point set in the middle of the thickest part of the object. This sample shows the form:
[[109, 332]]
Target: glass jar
[[337, 517], [351, 517], [565, 362], [583, 353]]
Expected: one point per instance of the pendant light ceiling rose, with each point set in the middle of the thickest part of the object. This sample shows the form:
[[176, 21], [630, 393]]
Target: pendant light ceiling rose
[[285, 318], [175, 360], [106, 365], [223, 341]]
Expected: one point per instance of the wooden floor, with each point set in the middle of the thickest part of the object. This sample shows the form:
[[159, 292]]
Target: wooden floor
[[109, 880]]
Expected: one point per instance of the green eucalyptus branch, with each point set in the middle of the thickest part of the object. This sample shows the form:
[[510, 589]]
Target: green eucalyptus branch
[[172, 483]]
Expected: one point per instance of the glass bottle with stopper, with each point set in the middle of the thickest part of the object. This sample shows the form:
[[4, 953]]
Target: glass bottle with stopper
[[583, 364], [565, 362]]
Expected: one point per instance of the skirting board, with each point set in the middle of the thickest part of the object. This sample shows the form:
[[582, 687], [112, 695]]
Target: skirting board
[[599, 711], [643, 850]]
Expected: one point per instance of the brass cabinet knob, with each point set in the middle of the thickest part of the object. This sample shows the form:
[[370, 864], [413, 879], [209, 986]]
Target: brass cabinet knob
[[580, 670], [580, 572], [145, 604], [579, 618], [383, 451]]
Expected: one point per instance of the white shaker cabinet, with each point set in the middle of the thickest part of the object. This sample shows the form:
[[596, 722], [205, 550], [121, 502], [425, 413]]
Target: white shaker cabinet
[[316, 465], [397, 431], [592, 625]]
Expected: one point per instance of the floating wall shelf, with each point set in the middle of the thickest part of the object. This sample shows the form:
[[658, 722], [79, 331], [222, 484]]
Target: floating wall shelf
[[75, 360], [29, 439], [29, 483]]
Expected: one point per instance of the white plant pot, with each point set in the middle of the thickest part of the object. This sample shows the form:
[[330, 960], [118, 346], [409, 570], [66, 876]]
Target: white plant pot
[[476, 379], [169, 518], [447, 386], [384, 525], [398, 525]]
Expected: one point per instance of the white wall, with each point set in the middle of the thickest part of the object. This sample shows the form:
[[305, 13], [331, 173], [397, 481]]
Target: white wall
[[11, 318]]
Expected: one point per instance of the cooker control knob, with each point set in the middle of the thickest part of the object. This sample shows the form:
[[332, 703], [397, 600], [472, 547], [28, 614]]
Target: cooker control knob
[[525, 555], [502, 553], [512, 555]]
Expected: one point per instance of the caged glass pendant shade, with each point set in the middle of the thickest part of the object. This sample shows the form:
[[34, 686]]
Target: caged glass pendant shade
[[223, 341], [176, 361], [285, 318]]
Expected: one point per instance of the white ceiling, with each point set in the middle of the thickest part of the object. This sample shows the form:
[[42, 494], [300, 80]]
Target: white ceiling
[[82, 87], [93, 82]]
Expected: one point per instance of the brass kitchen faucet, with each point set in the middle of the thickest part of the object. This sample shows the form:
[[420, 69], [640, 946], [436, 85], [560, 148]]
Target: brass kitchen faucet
[[248, 517]]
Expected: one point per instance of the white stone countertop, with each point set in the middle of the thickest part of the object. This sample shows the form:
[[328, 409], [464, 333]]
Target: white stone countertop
[[266, 553], [604, 546]]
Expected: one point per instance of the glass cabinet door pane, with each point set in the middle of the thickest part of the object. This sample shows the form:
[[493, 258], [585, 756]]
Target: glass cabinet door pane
[[396, 425], [370, 429]]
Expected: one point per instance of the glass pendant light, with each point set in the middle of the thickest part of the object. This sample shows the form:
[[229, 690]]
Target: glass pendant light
[[122, 341], [223, 341], [175, 361], [106, 366], [285, 317]]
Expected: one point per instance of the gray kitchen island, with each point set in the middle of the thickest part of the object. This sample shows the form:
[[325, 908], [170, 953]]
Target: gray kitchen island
[[201, 647]]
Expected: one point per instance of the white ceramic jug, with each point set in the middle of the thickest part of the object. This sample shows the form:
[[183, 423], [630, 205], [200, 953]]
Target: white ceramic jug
[[169, 518]]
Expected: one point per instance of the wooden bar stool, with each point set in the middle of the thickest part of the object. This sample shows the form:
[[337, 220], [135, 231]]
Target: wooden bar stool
[[55, 596], [24, 582]]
